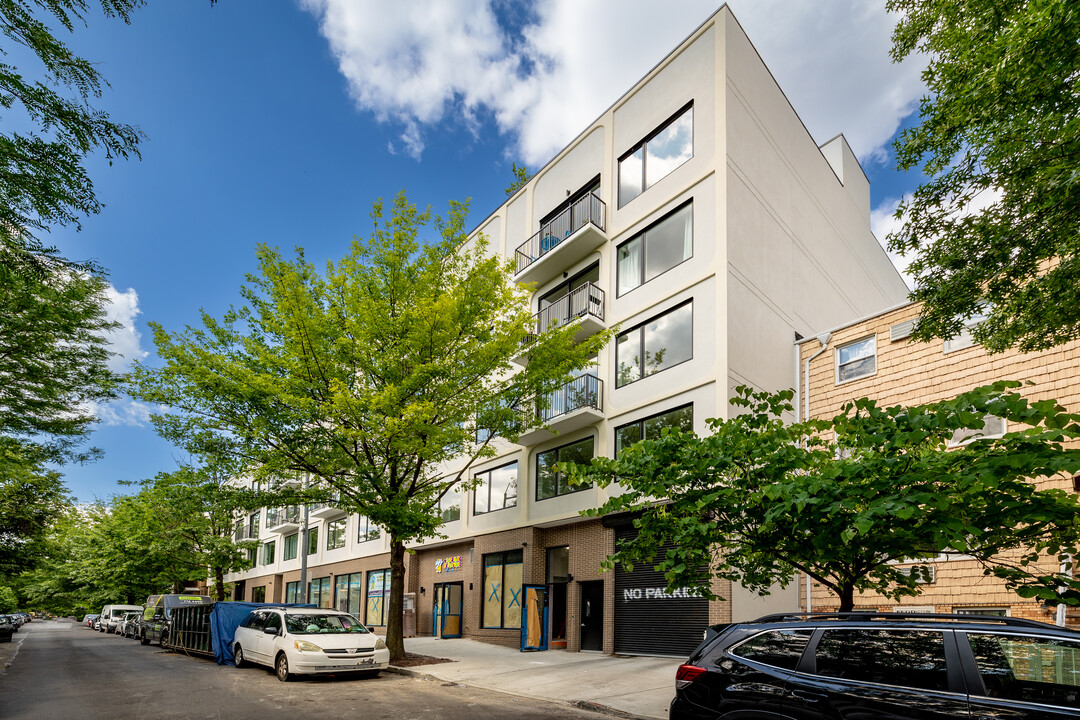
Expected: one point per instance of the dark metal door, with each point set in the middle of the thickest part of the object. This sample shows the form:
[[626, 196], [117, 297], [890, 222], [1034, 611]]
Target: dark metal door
[[592, 615]]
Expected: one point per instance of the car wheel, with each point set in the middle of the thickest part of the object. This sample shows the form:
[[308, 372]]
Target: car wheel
[[281, 667], [164, 642], [143, 640], [238, 657]]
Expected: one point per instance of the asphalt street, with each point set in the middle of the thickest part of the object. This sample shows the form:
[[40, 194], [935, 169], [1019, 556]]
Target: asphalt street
[[61, 670]]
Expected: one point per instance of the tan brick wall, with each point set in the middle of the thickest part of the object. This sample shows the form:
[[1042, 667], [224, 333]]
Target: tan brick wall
[[912, 373]]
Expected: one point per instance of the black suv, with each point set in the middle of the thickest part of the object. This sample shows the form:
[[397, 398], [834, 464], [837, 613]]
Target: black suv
[[889, 666]]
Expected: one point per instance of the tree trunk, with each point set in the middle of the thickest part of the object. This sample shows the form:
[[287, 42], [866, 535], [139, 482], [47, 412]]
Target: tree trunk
[[847, 598], [394, 639], [219, 583]]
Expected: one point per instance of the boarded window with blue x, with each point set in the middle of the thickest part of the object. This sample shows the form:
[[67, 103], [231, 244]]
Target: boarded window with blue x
[[502, 589]]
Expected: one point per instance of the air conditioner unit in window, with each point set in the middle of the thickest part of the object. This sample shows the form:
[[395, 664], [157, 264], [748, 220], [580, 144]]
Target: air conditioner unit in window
[[922, 578]]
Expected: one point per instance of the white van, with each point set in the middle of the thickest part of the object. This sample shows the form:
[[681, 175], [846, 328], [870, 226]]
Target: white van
[[111, 615]]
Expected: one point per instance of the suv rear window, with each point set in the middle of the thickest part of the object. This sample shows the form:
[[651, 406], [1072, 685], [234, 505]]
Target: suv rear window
[[779, 648], [908, 658], [1030, 669]]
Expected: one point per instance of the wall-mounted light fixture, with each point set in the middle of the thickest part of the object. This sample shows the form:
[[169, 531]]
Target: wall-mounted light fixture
[[422, 590], [569, 577]]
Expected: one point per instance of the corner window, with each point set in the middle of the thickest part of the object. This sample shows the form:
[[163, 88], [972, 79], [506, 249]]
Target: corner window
[[655, 345], [908, 658], [292, 542], [502, 590], [681, 418], [856, 359], [668, 147], [268, 552], [335, 534], [365, 530], [378, 590], [778, 648], [657, 249], [552, 483], [497, 489]]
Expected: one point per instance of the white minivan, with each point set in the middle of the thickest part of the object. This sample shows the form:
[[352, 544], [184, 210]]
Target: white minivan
[[111, 615]]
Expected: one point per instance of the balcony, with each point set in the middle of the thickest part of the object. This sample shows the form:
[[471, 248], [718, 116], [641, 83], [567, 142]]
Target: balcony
[[569, 237], [583, 305], [577, 404], [281, 520], [246, 531], [324, 510]]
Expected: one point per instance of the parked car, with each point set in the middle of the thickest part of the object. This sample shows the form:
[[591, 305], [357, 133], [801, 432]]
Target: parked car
[[111, 615], [128, 625], [7, 628], [158, 615], [296, 641], [882, 665], [90, 619]]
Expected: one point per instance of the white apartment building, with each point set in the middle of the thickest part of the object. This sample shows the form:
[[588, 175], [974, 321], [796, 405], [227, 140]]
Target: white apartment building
[[699, 215]]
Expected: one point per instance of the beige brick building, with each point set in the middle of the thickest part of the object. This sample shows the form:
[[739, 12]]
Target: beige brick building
[[876, 358]]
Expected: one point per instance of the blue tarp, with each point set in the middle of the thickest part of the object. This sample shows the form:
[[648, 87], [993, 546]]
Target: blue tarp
[[226, 617]]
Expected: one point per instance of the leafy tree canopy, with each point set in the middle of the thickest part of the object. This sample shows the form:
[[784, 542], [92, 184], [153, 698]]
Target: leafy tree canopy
[[382, 378], [31, 498], [522, 176], [845, 500], [1001, 130]]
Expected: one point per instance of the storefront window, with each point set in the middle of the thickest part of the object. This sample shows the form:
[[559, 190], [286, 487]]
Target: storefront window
[[292, 592], [258, 594], [502, 589], [319, 593], [378, 590], [348, 593]]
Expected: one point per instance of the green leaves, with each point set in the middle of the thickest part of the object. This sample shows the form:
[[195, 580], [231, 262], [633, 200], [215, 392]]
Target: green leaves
[[999, 131], [757, 501]]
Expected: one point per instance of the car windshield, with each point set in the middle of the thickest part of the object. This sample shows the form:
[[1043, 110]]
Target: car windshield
[[323, 624]]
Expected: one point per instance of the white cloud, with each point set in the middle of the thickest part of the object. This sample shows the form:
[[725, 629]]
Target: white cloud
[[417, 63], [126, 411], [125, 340]]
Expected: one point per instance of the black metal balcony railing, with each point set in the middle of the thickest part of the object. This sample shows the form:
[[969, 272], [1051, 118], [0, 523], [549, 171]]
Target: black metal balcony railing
[[246, 532], [589, 209], [584, 391], [280, 516], [587, 299]]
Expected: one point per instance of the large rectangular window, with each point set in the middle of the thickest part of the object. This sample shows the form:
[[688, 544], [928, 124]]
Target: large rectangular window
[[365, 530], [268, 552], [502, 590], [378, 592], [668, 147], [497, 489], [659, 248], [450, 505], [681, 418], [349, 593], [552, 483], [335, 534], [292, 591], [319, 593], [312, 540], [292, 543], [258, 594], [657, 344]]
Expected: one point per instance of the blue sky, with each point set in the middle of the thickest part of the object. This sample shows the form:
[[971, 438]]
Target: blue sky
[[281, 121]]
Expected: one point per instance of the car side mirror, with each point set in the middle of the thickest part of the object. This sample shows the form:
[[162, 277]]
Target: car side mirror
[[270, 631]]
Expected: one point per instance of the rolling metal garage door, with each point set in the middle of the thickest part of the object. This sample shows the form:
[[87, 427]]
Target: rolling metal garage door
[[648, 620]]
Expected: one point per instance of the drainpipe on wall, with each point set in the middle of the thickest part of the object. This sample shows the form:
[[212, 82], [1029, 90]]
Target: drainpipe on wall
[[824, 340]]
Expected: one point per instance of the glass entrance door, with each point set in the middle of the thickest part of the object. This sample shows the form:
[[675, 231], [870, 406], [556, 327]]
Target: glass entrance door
[[447, 610], [534, 618]]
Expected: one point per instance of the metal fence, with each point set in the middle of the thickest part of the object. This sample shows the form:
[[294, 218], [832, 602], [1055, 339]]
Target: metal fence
[[589, 209], [587, 299], [581, 392]]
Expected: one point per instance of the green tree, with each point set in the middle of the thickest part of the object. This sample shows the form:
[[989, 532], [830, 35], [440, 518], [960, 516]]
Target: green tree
[[53, 358], [522, 176], [1000, 128], [8, 601], [31, 498], [43, 181], [370, 378], [843, 501]]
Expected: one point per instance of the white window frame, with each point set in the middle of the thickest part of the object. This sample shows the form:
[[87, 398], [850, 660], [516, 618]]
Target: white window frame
[[836, 359], [963, 339], [974, 435]]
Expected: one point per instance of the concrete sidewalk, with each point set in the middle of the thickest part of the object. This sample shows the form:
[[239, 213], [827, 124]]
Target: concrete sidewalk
[[638, 686]]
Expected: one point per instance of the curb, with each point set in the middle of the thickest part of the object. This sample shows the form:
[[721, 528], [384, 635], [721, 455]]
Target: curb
[[581, 704]]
